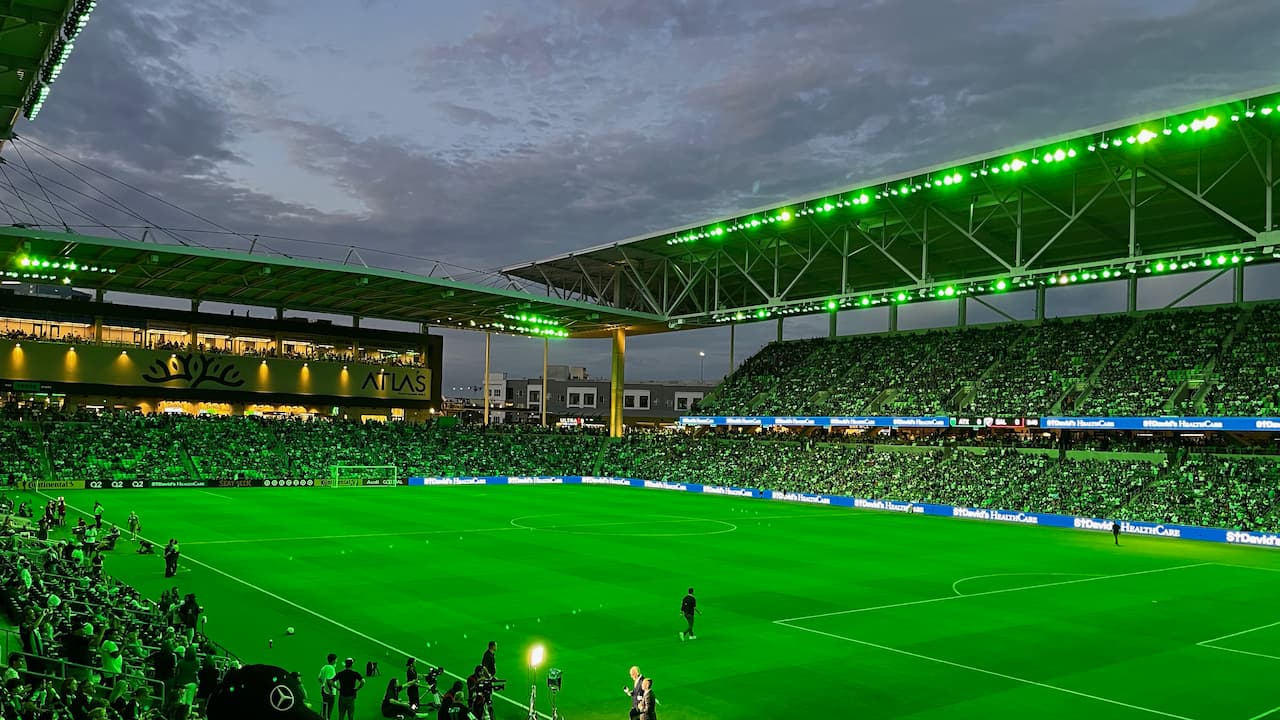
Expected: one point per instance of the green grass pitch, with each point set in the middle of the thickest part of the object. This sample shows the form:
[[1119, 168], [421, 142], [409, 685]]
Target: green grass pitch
[[807, 611]]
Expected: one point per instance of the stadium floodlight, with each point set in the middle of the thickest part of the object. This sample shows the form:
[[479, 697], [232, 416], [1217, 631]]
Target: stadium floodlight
[[1146, 136], [1001, 285]]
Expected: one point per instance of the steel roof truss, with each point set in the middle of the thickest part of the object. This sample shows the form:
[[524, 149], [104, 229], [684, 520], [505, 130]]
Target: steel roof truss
[[1077, 213], [641, 286], [971, 237], [871, 241], [1200, 199], [688, 281], [813, 255]]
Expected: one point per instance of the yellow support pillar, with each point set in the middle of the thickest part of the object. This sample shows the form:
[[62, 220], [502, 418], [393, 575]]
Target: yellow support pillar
[[616, 382]]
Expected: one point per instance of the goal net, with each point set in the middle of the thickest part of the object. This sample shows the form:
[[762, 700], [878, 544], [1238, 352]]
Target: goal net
[[362, 475]]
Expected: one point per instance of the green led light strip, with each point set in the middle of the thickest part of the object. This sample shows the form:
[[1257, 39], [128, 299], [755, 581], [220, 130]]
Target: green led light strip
[[1182, 263], [1143, 134], [37, 265], [60, 50]]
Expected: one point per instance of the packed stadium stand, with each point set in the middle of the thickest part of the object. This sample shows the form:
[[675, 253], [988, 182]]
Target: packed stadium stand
[[1166, 483], [1173, 362]]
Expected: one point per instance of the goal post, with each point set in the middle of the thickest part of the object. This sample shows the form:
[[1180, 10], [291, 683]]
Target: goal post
[[363, 475]]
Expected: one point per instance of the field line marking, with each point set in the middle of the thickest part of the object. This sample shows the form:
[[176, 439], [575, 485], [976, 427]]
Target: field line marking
[[415, 533], [224, 497], [1240, 652], [1272, 711], [984, 671], [1248, 567], [331, 621], [991, 592], [1242, 632], [955, 585]]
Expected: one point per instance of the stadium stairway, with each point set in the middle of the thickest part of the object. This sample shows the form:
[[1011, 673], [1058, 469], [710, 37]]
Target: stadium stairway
[[1089, 382], [1197, 400], [601, 453]]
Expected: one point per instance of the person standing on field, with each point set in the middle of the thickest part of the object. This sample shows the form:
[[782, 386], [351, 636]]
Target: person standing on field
[[689, 608]]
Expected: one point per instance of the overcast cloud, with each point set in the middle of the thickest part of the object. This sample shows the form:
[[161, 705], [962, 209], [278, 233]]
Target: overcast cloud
[[488, 132]]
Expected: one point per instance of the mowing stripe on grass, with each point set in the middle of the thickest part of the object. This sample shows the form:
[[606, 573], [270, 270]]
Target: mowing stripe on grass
[[992, 673], [990, 592]]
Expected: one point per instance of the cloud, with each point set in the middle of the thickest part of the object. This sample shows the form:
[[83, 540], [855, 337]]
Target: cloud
[[551, 126]]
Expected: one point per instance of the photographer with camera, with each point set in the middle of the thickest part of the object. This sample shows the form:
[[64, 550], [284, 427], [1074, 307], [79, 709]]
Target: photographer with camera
[[453, 706], [394, 707]]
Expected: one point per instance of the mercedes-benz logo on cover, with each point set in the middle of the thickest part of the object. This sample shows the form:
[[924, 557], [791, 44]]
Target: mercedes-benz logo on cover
[[281, 698]]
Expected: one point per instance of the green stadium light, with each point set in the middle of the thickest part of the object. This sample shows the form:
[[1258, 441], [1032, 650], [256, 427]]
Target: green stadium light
[[901, 297], [949, 291], [1001, 285], [1222, 259], [833, 305], [865, 301]]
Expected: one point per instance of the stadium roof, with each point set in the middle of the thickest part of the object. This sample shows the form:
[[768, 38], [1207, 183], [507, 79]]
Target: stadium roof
[[257, 279], [38, 37], [1165, 192]]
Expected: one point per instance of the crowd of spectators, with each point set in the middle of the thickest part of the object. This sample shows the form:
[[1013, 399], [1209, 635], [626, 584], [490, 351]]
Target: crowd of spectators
[[1102, 366], [116, 446], [20, 453], [955, 359], [1155, 358], [1246, 379], [1047, 361], [92, 648]]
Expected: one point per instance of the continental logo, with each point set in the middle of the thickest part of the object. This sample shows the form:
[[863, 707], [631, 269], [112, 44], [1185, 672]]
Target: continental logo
[[61, 484]]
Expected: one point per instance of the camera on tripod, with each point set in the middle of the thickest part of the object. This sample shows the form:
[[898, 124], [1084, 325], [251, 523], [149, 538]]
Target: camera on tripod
[[432, 677], [490, 685]]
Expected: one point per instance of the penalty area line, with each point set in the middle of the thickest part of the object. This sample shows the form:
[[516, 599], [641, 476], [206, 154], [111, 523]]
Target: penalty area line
[[992, 673], [991, 592]]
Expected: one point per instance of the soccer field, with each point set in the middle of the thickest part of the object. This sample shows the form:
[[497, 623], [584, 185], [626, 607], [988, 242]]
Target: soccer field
[[808, 611]]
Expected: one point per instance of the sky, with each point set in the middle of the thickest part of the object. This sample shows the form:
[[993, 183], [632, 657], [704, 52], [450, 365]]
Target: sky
[[488, 132]]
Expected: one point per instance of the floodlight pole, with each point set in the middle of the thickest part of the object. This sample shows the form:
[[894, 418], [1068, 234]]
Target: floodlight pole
[[486, 378]]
